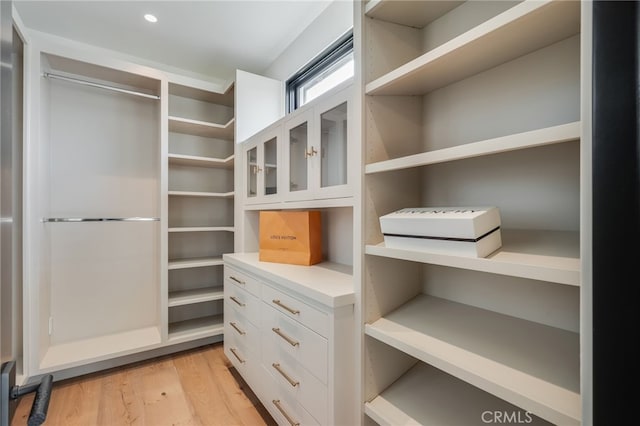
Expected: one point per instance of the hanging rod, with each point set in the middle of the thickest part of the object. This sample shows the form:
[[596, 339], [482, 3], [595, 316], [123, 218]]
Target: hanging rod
[[100, 219], [101, 86]]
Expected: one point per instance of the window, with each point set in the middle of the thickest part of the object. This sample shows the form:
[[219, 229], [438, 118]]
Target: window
[[326, 71]]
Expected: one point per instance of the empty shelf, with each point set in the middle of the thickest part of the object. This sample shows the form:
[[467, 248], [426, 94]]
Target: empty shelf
[[427, 396], [196, 328], [203, 229], [530, 365], [188, 297], [201, 128], [534, 138], [201, 194], [195, 262], [525, 28], [198, 161], [410, 13]]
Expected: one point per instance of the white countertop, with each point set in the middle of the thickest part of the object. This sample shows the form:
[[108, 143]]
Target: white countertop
[[328, 283]]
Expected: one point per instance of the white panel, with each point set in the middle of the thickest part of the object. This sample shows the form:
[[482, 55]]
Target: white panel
[[546, 303], [537, 90], [513, 182], [200, 179], [104, 278], [337, 235], [259, 102], [104, 153]]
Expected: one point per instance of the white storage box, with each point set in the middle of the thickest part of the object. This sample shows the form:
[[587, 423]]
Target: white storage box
[[461, 231]]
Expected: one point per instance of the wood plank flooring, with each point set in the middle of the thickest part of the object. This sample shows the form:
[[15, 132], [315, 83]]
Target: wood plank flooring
[[193, 388]]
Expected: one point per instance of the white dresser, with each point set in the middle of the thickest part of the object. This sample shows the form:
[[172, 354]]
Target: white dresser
[[289, 331]]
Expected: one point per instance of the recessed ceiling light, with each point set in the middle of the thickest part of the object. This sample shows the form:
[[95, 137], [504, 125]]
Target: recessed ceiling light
[[151, 18]]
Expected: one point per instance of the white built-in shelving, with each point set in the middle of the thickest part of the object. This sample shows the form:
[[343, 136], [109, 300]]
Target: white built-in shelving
[[196, 262], [467, 104], [202, 194], [500, 39], [523, 362], [200, 161], [200, 191], [428, 396]]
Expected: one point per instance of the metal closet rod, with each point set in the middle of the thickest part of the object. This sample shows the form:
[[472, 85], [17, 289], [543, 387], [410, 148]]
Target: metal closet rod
[[101, 86], [101, 219]]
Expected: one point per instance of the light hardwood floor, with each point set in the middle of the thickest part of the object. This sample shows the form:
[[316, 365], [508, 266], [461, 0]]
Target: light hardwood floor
[[197, 387]]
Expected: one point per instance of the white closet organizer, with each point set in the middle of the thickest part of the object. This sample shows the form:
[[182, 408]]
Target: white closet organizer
[[93, 214], [200, 189], [473, 103]]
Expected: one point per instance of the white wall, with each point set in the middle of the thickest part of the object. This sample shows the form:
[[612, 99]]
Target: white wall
[[335, 21]]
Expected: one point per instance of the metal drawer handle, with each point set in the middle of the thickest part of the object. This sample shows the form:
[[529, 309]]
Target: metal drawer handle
[[288, 339], [285, 375], [233, 324], [233, 351], [237, 301], [292, 422], [283, 306], [231, 277]]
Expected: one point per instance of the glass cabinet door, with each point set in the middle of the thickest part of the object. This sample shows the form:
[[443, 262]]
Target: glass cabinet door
[[252, 172], [298, 137], [271, 166], [333, 146]]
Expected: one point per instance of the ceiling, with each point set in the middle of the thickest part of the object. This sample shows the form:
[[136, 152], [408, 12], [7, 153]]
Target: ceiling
[[211, 38]]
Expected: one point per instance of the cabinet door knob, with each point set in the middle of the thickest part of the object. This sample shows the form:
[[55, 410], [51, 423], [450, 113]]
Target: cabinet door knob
[[310, 153]]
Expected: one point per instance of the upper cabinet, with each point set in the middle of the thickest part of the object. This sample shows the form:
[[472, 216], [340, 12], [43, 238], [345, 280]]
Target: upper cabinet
[[316, 150], [261, 160], [304, 156]]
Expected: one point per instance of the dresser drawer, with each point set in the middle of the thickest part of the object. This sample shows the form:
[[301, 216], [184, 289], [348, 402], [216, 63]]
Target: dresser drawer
[[238, 326], [294, 308], [241, 280], [308, 390], [283, 406], [243, 359], [242, 302], [282, 334]]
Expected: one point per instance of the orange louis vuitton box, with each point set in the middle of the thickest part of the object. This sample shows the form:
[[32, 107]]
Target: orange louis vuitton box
[[291, 237]]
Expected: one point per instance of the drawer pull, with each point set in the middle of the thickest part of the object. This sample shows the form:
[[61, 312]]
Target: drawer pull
[[239, 281], [285, 375], [237, 301], [288, 339], [233, 351], [286, 415], [283, 306], [233, 324]]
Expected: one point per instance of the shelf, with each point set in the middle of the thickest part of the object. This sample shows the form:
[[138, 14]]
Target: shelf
[[195, 262], [189, 297], [540, 255], [72, 354], [533, 366], [328, 283], [311, 204], [192, 160], [201, 128], [427, 396], [202, 194], [203, 229], [531, 139], [410, 13], [196, 328], [207, 95], [525, 28]]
